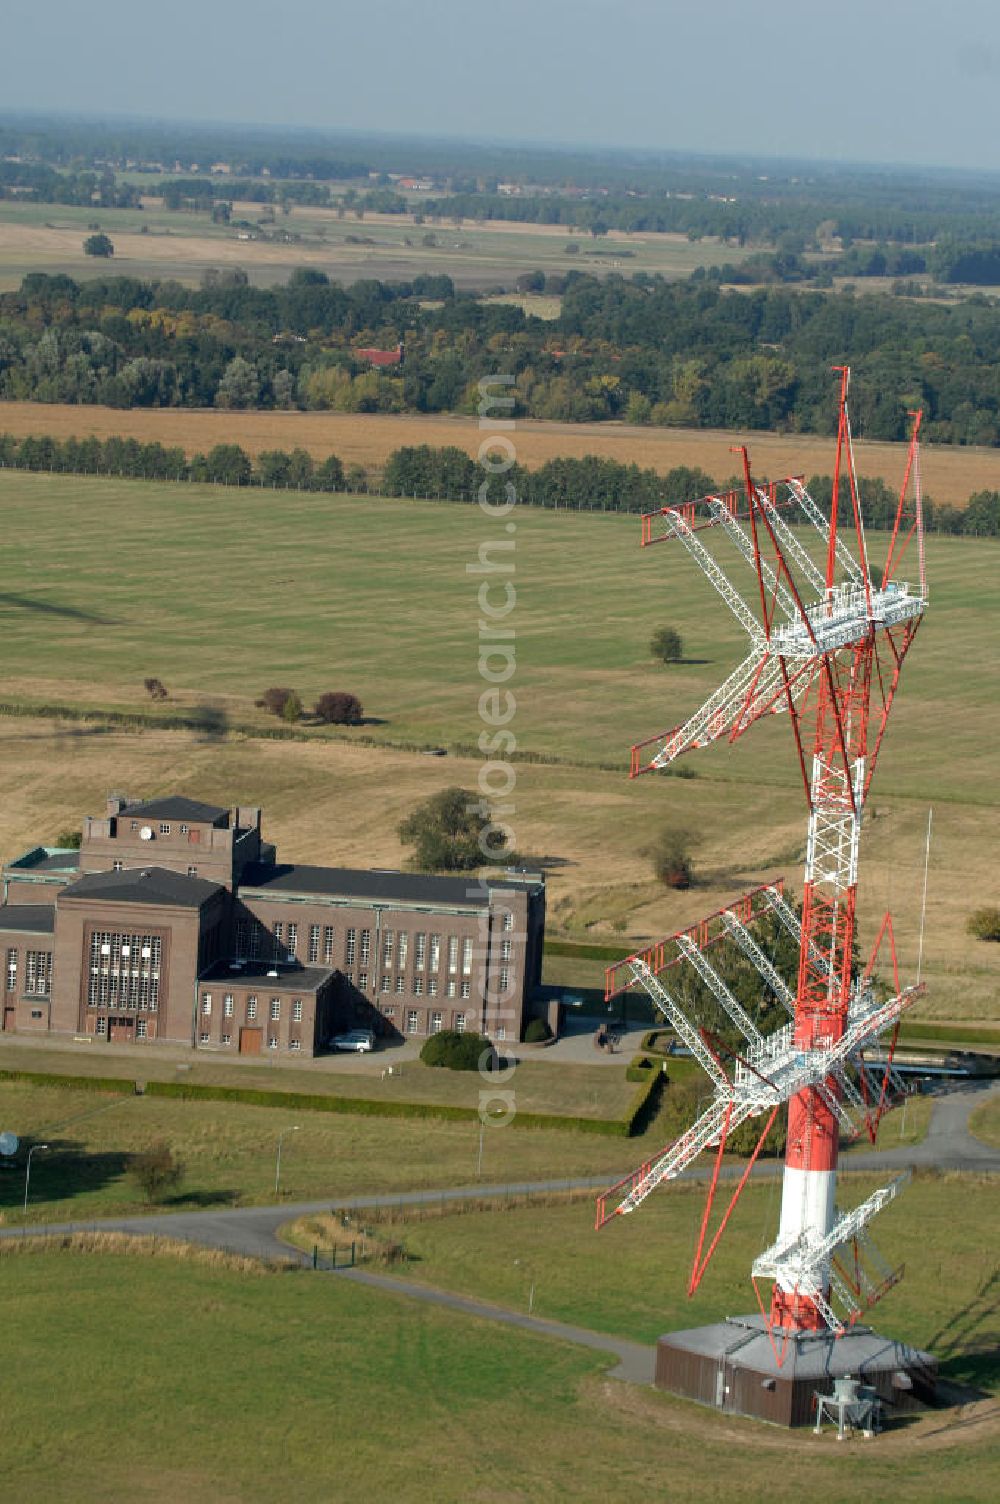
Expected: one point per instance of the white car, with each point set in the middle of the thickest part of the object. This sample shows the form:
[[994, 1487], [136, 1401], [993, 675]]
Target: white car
[[356, 1040]]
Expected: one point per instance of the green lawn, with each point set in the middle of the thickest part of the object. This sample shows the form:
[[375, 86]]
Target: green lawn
[[229, 1152], [131, 1378], [631, 1278], [985, 1123]]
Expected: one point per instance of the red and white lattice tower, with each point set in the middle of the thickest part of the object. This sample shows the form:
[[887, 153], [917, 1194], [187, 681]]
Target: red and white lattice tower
[[828, 641]]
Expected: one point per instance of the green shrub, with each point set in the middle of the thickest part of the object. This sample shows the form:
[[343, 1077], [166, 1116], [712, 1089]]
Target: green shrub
[[120, 1086], [156, 1170], [455, 1051], [537, 1031], [639, 1068], [984, 924]]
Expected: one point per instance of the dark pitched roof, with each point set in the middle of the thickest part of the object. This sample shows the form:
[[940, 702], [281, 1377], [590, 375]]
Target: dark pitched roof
[[255, 974], [144, 885], [33, 918], [374, 886], [174, 808], [57, 861]]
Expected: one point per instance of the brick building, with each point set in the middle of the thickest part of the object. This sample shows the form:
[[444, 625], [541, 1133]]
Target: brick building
[[175, 922]]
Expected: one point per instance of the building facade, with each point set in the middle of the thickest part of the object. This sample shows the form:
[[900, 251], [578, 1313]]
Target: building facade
[[175, 922]]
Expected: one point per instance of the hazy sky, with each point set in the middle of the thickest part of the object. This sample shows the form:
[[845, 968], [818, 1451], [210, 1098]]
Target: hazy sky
[[883, 80]]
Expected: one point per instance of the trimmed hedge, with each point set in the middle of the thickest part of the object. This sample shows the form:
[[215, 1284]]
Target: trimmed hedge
[[583, 952], [119, 1085], [656, 1041], [639, 1068]]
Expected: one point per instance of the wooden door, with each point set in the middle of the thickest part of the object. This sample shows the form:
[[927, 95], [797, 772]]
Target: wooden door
[[9, 1018], [250, 1041], [121, 1030]]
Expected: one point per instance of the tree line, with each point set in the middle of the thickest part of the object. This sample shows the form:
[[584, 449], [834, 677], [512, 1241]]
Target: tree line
[[648, 351], [588, 483]]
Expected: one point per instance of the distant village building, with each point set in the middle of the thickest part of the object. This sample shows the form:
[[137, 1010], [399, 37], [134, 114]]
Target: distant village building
[[176, 923], [380, 357]]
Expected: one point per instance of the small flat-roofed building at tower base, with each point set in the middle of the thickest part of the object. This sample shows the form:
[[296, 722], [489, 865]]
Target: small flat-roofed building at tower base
[[733, 1366]]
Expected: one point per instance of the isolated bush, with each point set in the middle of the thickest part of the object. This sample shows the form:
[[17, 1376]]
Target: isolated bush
[[666, 645], [275, 699], [337, 708], [537, 1031], [98, 245], [984, 924], [457, 1052], [155, 689], [156, 1170], [291, 711], [69, 840], [670, 854]]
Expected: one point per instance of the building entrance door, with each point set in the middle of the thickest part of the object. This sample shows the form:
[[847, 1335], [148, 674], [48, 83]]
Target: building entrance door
[[121, 1030], [250, 1040], [9, 1018]]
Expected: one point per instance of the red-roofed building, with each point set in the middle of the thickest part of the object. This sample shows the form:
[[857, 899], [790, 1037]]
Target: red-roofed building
[[381, 357]]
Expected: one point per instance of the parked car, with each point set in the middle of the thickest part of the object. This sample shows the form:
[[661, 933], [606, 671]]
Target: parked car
[[356, 1040]]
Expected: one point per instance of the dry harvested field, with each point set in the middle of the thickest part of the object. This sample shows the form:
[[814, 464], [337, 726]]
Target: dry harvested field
[[949, 474]]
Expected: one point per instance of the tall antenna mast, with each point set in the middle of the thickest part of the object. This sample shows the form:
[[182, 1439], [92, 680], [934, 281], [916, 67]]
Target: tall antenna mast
[[826, 648]]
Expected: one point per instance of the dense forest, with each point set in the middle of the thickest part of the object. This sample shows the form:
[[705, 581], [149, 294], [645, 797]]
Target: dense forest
[[646, 350]]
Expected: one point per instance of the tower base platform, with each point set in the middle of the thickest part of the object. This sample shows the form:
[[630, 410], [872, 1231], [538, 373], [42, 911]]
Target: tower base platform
[[732, 1366]]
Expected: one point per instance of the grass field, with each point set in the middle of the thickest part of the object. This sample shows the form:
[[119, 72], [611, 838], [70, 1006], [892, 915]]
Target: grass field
[[631, 1279], [229, 1151], [398, 626], [154, 243], [218, 1385], [950, 473], [985, 1123]]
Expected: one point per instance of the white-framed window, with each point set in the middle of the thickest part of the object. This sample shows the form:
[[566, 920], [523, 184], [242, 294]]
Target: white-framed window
[[363, 981], [183, 830], [366, 946], [293, 941], [505, 950], [192, 872], [295, 1044], [404, 945], [227, 1005], [434, 960], [419, 950], [451, 990], [350, 946], [227, 1039], [418, 986], [133, 825], [279, 936], [204, 1038], [400, 984], [140, 1028], [436, 1022], [296, 1010], [467, 956], [459, 1023], [432, 986], [389, 1011], [508, 920], [465, 989], [206, 1004], [452, 952], [388, 944], [11, 970], [328, 944], [500, 1032], [38, 975], [118, 866], [164, 828], [412, 1021], [101, 1027], [385, 983], [251, 1009], [275, 1009], [313, 951], [272, 1041], [503, 978]]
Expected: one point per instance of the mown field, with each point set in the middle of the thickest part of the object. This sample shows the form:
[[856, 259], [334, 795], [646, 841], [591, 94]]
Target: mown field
[[950, 474], [155, 243], [186, 1377], [220, 593], [631, 1278]]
